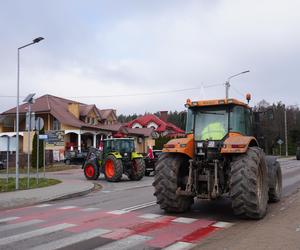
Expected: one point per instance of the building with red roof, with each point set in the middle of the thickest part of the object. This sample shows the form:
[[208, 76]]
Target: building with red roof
[[159, 124]]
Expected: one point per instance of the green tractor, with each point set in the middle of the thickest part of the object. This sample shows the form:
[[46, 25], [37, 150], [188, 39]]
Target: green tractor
[[118, 157]]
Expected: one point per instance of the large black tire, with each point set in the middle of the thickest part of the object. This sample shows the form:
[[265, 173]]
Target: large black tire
[[138, 168], [249, 184], [275, 179], [113, 168], [91, 170], [171, 171]]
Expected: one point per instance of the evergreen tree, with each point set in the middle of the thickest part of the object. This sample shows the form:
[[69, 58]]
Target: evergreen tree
[[34, 151]]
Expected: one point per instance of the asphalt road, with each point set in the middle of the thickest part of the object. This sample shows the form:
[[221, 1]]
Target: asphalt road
[[122, 215]]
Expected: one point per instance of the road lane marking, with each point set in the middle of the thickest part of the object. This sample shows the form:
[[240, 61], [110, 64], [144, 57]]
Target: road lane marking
[[150, 216], [72, 239], [180, 245], [118, 212], [44, 205], [30, 234], [19, 225], [222, 224], [66, 207], [140, 206], [90, 209], [126, 243], [8, 219], [184, 220]]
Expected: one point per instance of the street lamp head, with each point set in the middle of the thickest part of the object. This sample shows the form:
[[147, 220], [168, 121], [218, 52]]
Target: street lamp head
[[38, 39], [247, 71]]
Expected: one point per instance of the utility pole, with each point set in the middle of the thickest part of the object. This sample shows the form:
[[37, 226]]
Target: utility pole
[[285, 133]]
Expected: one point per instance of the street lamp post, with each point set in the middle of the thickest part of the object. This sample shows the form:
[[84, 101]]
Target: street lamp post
[[36, 40], [227, 84]]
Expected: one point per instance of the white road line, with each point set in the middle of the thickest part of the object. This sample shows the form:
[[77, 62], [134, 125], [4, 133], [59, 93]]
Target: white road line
[[72, 239], [30, 234], [19, 225], [8, 219], [66, 207], [184, 220], [126, 243], [136, 207], [180, 245], [44, 205], [90, 209], [118, 212], [222, 224], [150, 216]]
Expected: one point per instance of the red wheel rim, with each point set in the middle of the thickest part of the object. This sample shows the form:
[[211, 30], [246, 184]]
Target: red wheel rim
[[109, 168], [89, 171]]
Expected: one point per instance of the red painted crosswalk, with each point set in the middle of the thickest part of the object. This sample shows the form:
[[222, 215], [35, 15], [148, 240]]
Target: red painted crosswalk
[[156, 230]]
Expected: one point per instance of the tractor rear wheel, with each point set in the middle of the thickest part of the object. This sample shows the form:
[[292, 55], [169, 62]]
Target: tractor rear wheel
[[137, 170], [91, 170], [275, 181], [249, 184], [113, 168], [171, 171]]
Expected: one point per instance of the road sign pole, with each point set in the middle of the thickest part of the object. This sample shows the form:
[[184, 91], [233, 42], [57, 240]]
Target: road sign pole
[[28, 145], [44, 153], [280, 149], [7, 162], [37, 158]]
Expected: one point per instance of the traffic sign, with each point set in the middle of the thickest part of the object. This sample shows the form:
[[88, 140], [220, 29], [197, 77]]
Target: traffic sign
[[39, 123], [43, 137], [280, 141]]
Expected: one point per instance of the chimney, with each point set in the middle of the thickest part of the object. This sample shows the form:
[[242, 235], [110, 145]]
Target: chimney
[[164, 115], [73, 108]]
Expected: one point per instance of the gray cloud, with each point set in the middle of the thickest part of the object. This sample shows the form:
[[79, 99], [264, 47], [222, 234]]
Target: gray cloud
[[116, 47]]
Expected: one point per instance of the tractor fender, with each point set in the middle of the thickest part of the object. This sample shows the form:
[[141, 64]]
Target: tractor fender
[[116, 154], [136, 155], [183, 146], [238, 144]]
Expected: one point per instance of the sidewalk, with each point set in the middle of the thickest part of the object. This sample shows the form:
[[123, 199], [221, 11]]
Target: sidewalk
[[280, 229], [73, 184]]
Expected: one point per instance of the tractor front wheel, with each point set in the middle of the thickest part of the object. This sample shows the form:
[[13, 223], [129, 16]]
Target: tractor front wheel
[[113, 169], [137, 169], [171, 172], [91, 171], [249, 184]]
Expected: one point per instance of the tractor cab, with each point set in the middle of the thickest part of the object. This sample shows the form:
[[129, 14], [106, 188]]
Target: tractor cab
[[212, 122], [125, 146]]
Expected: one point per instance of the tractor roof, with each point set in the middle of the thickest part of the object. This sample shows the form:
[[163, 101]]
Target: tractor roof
[[214, 102]]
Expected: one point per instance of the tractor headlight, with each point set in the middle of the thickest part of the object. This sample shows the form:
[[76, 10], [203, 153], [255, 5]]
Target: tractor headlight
[[211, 144], [200, 144], [125, 154]]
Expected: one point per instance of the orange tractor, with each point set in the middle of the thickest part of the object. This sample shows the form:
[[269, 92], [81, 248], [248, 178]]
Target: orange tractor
[[219, 157]]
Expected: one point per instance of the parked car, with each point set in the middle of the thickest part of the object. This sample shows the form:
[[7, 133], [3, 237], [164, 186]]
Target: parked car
[[2, 166], [74, 157], [150, 163]]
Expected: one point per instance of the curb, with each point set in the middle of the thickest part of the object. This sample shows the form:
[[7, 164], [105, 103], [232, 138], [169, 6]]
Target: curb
[[61, 197]]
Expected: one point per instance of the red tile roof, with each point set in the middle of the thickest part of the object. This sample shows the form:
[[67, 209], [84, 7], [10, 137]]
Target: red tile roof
[[162, 125]]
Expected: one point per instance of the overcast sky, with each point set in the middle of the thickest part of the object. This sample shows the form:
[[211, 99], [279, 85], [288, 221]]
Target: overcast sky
[[107, 48]]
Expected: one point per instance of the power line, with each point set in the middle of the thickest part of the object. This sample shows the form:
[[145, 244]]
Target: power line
[[136, 94], [149, 93]]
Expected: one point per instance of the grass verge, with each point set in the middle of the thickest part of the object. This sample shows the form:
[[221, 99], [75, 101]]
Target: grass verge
[[10, 186], [50, 168]]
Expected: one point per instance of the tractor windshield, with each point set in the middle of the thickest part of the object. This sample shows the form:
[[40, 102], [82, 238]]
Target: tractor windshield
[[122, 146], [211, 123]]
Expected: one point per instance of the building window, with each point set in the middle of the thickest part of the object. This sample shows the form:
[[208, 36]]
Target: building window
[[55, 124]]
